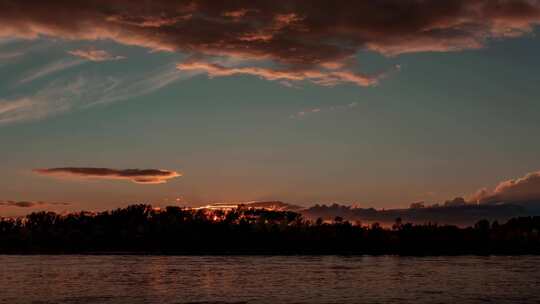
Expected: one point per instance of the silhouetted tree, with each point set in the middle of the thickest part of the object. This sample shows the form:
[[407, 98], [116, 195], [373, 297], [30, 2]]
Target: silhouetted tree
[[141, 228]]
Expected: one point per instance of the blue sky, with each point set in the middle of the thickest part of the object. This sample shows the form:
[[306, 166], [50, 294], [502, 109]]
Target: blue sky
[[436, 126]]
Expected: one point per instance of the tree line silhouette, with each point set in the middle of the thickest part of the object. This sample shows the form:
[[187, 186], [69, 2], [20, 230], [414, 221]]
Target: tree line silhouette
[[244, 230]]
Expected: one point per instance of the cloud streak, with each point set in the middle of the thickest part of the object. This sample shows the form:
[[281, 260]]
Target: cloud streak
[[321, 77], [95, 55], [301, 36], [49, 69], [139, 176], [10, 55], [29, 204], [55, 98], [308, 112], [84, 90]]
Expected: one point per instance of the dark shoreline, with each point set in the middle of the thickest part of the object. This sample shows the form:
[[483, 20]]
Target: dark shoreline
[[262, 254], [140, 229]]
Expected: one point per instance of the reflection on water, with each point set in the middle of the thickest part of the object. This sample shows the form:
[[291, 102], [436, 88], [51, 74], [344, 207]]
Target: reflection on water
[[265, 279]]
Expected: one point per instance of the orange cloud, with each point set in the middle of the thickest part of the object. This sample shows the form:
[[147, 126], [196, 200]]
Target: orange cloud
[[139, 176], [522, 189], [298, 35], [95, 55], [321, 77]]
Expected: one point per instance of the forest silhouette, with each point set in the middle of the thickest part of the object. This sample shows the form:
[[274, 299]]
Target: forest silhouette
[[245, 230]]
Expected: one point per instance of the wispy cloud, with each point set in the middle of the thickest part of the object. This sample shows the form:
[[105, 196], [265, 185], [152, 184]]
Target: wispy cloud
[[308, 112], [29, 204], [11, 107], [95, 55], [49, 69], [139, 176], [85, 90], [56, 98], [118, 88], [10, 55], [323, 77]]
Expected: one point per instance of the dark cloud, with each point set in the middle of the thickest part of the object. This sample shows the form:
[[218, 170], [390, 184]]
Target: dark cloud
[[511, 198], [139, 176], [29, 204], [524, 189], [459, 214], [299, 36]]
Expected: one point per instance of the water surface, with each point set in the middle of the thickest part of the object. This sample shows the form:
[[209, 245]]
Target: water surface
[[268, 279]]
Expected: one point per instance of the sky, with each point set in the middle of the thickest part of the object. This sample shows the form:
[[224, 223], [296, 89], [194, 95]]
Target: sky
[[375, 103]]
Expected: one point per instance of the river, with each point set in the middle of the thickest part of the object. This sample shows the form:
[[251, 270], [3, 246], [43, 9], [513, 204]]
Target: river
[[268, 279]]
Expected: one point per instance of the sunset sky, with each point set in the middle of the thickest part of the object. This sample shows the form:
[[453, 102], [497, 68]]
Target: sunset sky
[[380, 103]]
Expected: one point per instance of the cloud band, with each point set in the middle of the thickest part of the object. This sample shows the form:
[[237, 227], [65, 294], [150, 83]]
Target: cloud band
[[298, 35], [28, 204], [139, 176]]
